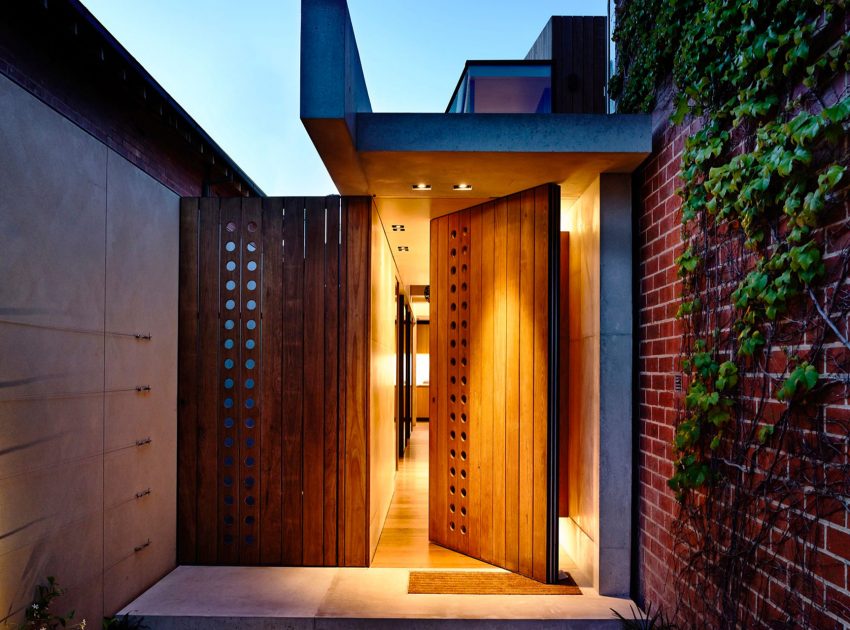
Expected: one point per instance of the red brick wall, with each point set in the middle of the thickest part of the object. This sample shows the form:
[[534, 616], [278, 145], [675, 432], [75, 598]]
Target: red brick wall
[[660, 339], [659, 243]]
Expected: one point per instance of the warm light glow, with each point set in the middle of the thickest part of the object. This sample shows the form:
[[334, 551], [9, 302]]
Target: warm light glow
[[568, 214], [423, 369], [463, 187], [421, 186]]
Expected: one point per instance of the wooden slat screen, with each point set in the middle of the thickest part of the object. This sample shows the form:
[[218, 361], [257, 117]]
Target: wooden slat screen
[[490, 367], [273, 358], [577, 46], [579, 64]]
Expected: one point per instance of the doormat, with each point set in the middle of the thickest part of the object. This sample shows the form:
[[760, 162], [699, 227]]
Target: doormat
[[484, 583]]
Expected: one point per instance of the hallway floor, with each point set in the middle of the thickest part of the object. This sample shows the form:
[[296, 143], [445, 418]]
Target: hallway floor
[[404, 541]]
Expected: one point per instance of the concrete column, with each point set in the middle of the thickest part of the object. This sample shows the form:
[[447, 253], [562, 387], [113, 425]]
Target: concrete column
[[615, 384]]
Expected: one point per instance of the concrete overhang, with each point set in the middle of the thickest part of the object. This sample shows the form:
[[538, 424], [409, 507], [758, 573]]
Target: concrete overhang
[[381, 154], [384, 154], [497, 154]]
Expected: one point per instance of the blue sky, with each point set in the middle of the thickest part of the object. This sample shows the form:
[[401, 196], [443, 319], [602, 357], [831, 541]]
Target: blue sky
[[234, 66]]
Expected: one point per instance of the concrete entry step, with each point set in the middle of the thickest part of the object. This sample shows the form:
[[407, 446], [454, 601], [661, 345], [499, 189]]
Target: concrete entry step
[[267, 598]]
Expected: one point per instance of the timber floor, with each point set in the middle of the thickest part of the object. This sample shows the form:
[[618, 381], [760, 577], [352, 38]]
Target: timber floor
[[404, 541]]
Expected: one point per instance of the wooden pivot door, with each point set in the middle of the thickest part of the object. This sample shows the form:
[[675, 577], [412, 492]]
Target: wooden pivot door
[[493, 405]]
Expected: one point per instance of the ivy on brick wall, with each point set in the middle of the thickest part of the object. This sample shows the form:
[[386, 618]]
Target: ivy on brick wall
[[765, 299]]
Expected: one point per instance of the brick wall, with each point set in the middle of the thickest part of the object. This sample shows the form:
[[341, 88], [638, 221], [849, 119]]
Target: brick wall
[[660, 339], [659, 346]]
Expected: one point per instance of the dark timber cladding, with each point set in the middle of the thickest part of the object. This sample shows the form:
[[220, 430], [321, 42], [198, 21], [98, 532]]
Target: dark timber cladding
[[272, 392], [578, 48], [491, 489]]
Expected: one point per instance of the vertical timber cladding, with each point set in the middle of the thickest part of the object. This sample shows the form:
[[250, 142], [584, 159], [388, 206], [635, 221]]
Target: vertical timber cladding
[[273, 358], [490, 469]]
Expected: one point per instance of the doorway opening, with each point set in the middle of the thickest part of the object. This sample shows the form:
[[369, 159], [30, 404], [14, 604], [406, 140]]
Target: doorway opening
[[476, 484]]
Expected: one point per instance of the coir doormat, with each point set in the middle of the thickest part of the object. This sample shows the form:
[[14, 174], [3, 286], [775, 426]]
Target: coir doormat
[[484, 583]]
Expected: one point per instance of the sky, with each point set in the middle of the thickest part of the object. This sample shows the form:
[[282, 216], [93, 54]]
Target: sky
[[234, 66]]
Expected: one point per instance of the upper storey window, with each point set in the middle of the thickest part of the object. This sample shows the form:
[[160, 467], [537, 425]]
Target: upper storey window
[[503, 87]]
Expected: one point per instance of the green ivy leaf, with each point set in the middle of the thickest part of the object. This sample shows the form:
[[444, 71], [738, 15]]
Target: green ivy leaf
[[801, 380], [764, 432]]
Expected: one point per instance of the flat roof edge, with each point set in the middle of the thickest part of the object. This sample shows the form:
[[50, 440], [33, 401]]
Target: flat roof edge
[[113, 44], [510, 133]]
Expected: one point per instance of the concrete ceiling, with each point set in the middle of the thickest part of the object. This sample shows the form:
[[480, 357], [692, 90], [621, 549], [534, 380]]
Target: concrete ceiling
[[390, 176]]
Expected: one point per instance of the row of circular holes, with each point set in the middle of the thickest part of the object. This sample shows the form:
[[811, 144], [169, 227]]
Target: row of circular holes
[[463, 382], [249, 364]]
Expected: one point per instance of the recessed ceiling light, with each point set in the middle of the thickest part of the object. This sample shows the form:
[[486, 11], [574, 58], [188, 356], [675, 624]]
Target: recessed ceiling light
[[421, 186], [397, 227], [462, 187], [403, 248]]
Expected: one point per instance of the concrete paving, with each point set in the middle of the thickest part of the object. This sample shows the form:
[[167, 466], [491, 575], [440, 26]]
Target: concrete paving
[[193, 597]]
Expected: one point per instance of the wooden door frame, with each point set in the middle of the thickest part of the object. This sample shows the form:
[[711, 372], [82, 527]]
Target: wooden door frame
[[404, 386], [553, 393]]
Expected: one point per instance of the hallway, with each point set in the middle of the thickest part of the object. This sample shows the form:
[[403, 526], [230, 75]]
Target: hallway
[[404, 540]]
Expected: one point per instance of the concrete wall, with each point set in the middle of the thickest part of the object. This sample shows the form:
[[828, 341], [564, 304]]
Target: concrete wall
[[597, 534], [89, 253], [382, 432]]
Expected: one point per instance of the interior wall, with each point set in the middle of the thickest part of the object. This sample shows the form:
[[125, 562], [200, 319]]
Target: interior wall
[[382, 381], [597, 533], [89, 244], [582, 222], [579, 533]]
